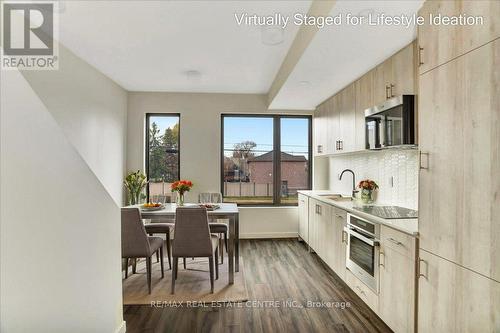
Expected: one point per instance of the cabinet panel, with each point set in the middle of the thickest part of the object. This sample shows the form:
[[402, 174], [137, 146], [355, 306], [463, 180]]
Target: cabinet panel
[[442, 43], [454, 299], [334, 107], [312, 225], [365, 293], [347, 122], [303, 217], [459, 136], [320, 130], [403, 72], [382, 78], [397, 280]]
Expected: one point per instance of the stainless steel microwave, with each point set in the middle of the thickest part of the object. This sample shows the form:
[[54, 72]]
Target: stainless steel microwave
[[391, 124]]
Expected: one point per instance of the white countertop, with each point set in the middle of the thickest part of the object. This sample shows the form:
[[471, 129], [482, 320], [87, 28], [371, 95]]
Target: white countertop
[[408, 226]]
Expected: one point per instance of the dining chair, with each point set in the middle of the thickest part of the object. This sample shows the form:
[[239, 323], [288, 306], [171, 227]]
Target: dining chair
[[136, 243], [192, 239], [163, 226], [216, 227]]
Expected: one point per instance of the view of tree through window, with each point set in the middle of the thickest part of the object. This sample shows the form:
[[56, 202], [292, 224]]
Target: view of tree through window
[[249, 165], [162, 154]]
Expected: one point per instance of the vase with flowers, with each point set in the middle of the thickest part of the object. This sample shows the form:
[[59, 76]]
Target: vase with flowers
[[181, 187], [135, 183], [367, 187]]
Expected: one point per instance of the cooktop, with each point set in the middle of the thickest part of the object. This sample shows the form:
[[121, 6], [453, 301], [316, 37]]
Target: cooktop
[[389, 212]]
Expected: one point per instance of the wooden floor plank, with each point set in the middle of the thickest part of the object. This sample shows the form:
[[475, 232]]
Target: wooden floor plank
[[276, 270]]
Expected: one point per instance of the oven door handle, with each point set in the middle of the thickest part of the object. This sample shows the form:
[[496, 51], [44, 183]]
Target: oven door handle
[[371, 242]]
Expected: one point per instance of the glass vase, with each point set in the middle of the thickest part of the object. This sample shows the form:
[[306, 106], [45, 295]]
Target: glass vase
[[180, 199], [367, 196]]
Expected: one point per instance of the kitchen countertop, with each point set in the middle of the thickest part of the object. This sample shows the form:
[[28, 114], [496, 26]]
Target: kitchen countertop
[[408, 226]]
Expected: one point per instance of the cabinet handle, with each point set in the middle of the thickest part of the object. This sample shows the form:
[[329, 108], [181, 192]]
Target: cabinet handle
[[424, 166], [420, 62], [380, 255], [318, 209], [426, 275], [392, 240], [344, 237], [320, 149], [387, 91], [392, 93]]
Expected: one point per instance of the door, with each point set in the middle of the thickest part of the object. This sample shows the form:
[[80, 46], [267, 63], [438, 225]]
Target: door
[[441, 43], [347, 121], [339, 242], [312, 226], [382, 78], [397, 280], [459, 122], [403, 72], [303, 217], [364, 100], [333, 123], [454, 299]]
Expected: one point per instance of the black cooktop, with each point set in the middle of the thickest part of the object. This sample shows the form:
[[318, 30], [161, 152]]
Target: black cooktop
[[389, 212]]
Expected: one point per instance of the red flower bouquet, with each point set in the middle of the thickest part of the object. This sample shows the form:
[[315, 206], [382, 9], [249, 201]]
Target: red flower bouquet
[[181, 186]]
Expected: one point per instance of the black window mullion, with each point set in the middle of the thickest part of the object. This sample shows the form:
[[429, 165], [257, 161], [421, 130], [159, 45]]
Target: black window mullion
[[276, 160]]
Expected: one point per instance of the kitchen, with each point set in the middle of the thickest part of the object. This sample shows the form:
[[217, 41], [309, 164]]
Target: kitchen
[[248, 166]]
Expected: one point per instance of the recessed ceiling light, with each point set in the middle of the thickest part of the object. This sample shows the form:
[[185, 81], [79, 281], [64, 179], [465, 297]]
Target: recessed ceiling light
[[272, 35], [192, 74]]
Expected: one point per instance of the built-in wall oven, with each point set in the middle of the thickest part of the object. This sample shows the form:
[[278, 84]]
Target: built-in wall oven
[[363, 250]]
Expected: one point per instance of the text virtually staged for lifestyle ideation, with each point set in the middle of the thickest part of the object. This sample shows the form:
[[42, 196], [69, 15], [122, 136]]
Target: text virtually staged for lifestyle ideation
[[370, 19]]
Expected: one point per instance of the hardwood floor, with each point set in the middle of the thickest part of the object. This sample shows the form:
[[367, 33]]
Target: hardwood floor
[[276, 270]]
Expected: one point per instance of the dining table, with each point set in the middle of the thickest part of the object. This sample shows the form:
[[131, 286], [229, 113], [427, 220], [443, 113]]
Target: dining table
[[227, 211]]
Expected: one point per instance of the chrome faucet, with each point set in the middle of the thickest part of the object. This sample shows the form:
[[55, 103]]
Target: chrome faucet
[[353, 181]]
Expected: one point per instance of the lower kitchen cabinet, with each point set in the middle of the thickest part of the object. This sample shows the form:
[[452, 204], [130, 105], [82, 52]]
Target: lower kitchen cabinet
[[338, 241], [397, 280], [365, 293], [304, 217], [452, 298]]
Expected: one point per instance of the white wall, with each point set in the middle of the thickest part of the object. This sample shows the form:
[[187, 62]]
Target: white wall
[[380, 166], [200, 131], [60, 228], [92, 111]]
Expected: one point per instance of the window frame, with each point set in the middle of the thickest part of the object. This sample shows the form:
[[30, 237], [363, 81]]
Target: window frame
[[276, 154], [146, 145]]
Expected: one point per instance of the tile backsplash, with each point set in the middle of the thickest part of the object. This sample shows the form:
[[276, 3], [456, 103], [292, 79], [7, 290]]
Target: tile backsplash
[[395, 171]]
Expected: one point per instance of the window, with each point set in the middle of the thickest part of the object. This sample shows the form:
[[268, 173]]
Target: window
[[162, 153], [265, 159]]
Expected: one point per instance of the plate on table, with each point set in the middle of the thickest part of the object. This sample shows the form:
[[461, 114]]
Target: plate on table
[[210, 207], [151, 206]]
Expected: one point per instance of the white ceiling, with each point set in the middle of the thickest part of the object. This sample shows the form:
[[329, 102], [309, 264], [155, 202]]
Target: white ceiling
[[149, 45], [340, 54]]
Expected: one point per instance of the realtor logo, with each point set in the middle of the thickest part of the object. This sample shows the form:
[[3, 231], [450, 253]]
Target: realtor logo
[[28, 31]]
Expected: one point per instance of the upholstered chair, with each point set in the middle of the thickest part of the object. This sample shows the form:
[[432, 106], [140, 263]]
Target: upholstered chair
[[216, 227], [192, 239], [137, 244]]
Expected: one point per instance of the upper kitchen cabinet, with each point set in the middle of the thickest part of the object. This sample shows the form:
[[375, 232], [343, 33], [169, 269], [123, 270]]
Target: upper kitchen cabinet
[[439, 44], [403, 71], [333, 123], [320, 129], [459, 191], [395, 76], [347, 121]]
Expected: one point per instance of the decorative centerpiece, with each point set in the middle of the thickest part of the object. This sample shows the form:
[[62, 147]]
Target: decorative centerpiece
[[135, 182], [367, 187], [181, 187]]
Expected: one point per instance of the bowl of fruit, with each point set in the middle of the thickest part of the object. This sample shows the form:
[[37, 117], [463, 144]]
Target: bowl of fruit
[[152, 206]]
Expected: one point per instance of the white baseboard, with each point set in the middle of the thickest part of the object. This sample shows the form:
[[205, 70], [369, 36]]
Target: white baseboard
[[263, 235], [122, 328]]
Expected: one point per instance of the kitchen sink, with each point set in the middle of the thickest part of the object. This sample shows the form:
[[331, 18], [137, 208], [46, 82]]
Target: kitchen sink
[[336, 197]]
